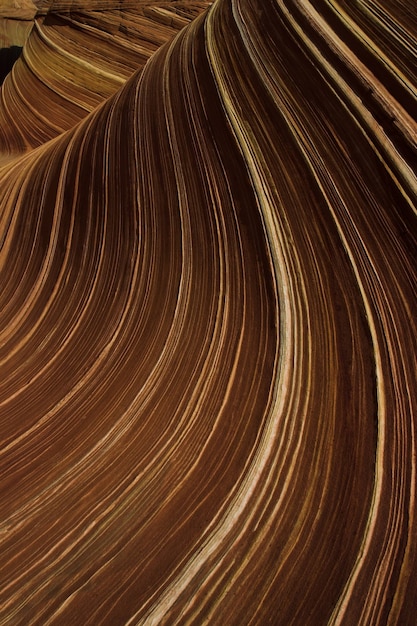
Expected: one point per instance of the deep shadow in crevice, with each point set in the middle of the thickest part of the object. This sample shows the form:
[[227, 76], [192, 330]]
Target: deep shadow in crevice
[[8, 57]]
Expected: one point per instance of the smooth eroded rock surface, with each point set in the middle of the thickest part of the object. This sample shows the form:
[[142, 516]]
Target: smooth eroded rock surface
[[208, 332]]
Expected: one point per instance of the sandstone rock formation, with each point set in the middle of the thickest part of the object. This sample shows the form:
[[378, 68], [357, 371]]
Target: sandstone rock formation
[[18, 9], [208, 400], [14, 32], [75, 59]]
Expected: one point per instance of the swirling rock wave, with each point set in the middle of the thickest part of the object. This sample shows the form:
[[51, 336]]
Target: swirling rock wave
[[75, 59], [208, 331]]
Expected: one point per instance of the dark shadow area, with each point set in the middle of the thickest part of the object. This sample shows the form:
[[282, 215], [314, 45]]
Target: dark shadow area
[[8, 57]]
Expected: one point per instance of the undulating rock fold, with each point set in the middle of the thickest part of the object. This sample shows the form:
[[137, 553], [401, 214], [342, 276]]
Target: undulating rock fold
[[208, 314]]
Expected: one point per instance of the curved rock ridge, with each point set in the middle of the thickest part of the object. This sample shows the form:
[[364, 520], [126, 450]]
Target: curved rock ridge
[[74, 60], [208, 395]]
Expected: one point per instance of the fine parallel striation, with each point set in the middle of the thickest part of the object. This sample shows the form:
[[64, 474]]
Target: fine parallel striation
[[208, 394], [75, 59]]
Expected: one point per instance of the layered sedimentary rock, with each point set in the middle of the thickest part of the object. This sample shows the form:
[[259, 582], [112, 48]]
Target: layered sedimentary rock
[[18, 9], [14, 32], [208, 330], [75, 59]]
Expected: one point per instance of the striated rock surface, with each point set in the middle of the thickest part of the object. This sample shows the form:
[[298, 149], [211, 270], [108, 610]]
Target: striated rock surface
[[75, 59], [208, 400], [14, 32], [18, 9]]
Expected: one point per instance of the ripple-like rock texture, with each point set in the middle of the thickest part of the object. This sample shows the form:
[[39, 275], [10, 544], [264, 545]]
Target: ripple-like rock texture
[[208, 398]]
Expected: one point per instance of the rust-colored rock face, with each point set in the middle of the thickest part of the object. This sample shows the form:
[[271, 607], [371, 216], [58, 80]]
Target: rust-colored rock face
[[208, 399]]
